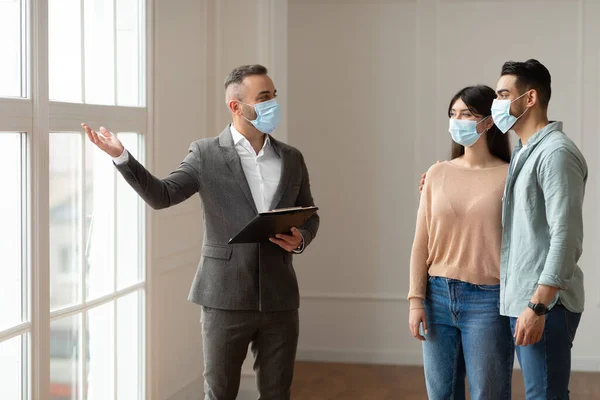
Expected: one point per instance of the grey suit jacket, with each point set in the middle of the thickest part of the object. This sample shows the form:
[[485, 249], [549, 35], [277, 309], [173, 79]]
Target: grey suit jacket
[[254, 276]]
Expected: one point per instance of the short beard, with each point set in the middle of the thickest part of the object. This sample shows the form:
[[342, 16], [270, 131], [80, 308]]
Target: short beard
[[251, 115]]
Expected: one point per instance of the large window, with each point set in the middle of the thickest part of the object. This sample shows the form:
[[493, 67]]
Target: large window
[[96, 52], [72, 232], [95, 270]]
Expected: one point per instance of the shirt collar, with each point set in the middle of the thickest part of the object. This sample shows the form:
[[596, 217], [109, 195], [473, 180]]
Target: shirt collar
[[539, 135], [238, 137]]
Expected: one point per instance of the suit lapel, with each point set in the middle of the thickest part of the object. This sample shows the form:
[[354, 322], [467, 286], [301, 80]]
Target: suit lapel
[[235, 164], [286, 171]]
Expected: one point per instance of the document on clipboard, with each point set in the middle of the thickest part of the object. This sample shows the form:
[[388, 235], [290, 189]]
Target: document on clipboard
[[269, 223]]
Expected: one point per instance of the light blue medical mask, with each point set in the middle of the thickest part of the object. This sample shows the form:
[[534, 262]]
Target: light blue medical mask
[[268, 115], [464, 131], [501, 113]]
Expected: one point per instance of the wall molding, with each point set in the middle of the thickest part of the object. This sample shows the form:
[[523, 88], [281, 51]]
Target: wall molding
[[350, 2], [585, 364], [194, 390], [402, 357], [173, 220], [360, 356], [176, 260], [509, 1], [354, 296]]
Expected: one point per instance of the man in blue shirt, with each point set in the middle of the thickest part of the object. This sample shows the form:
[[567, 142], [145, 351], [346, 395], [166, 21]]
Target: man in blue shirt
[[541, 283]]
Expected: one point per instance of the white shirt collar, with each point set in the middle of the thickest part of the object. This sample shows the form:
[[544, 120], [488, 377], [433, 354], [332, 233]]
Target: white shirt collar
[[238, 137]]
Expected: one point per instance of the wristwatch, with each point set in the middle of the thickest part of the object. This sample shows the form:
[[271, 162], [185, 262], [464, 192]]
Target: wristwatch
[[538, 309]]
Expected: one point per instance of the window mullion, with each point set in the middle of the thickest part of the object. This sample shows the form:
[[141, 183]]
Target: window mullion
[[85, 237], [79, 308], [25, 243], [15, 331], [40, 272], [82, 44], [24, 54], [25, 263], [115, 281], [115, 83], [115, 347]]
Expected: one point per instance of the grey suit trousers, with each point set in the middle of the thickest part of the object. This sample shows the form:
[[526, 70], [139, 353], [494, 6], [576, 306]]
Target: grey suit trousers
[[226, 335]]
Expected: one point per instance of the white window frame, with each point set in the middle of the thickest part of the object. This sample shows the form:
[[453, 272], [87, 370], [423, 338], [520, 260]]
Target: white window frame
[[36, 117]]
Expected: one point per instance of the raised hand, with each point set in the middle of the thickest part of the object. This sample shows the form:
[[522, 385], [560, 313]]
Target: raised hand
[[105, 141]]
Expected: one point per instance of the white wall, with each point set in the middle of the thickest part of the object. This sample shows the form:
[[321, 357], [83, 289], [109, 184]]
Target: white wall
[[181, 112], [352, 107], [364, 85], [369, 85]]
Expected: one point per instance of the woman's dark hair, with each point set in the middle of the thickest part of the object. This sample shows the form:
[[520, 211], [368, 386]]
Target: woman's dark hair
[[478, 100]]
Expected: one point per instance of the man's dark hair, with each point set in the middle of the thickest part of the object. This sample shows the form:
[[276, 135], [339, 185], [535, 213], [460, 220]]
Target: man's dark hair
[[530, 74], [238, 75]]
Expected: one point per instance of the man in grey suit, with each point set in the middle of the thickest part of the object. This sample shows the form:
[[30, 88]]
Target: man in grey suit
[[248, 292]]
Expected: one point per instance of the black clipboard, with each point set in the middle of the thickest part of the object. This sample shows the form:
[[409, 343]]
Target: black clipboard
[[267, 224]]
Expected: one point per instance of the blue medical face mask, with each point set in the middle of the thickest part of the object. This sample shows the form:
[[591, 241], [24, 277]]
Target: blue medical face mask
[[268, 115], [501, 114], [464, 131]]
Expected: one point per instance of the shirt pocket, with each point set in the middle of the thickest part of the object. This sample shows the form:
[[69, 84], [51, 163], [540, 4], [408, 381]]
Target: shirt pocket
[[526, 193]]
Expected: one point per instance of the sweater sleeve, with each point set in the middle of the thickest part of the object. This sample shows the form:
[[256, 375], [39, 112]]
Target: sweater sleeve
[[420, 249]]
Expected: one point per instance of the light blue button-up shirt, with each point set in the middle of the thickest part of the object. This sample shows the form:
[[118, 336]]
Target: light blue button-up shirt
[[542, 222]]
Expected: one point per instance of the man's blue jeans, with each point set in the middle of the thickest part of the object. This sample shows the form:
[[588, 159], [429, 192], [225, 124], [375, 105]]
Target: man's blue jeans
[[466, 335], [546, 365]]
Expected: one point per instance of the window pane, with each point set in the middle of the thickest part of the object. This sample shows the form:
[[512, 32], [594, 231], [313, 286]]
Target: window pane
[[65, 358], [129, 55], [99, 52], [129, 347], [129, 217], [100, 380], [14, 360], [64, 28], [65, 219], [100, 232], [11, 48], [13, 282]]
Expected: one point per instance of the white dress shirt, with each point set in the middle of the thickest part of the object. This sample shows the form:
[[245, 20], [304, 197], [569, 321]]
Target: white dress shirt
[[262, 170]]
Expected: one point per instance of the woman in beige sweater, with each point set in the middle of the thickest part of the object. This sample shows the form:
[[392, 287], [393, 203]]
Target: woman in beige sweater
[[455, 263]]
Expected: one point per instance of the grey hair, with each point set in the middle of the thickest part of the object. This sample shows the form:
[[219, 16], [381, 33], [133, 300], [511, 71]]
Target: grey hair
[[234, 80]]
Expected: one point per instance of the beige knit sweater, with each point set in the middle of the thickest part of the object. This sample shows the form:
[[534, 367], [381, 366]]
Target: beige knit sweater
[[459, 232]]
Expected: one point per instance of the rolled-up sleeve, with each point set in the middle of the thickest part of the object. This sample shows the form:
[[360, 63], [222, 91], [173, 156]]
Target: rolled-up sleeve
[[562, 177]]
